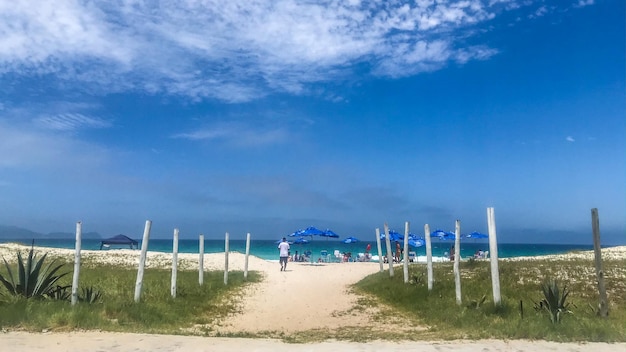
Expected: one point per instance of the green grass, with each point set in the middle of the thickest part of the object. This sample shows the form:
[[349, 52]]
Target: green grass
[[520, 282], [157, 311], [414, 312]]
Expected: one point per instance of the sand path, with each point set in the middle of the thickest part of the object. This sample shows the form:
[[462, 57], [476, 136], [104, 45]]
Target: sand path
[[303, 297]]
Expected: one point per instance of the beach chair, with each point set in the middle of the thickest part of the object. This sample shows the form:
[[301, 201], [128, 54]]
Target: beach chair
[[412, 257]]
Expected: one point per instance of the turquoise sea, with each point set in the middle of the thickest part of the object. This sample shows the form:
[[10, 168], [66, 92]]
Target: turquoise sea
[[267, 249]]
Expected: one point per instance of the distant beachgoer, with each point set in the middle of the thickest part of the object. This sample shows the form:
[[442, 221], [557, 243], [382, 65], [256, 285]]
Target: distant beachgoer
[[368, 248], [398, 252], [296, 257], [451, 253], [283, 252]]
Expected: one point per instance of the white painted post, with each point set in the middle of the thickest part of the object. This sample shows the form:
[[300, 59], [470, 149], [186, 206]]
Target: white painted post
[[380, 250], [429, 256], [142, 260], [174, 263], [245, 265], [493, 256], [201, 260], [457, 259], [388, 243], [76, 263], [226, 244], [406, 253]]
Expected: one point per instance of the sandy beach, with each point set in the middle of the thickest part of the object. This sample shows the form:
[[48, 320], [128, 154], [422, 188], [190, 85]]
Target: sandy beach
[[284, 302]]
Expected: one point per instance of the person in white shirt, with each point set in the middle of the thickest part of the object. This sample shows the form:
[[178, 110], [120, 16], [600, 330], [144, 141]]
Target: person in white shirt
[[283, 250]]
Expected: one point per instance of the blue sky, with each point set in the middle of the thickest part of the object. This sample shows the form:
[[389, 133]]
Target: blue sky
[[266, 117]]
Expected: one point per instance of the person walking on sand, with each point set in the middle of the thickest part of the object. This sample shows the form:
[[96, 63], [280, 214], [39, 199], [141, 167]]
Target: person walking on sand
[[283, 252]]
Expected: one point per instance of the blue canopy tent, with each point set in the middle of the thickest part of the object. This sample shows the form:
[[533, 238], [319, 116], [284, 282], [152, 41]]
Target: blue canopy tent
[[119, 240]]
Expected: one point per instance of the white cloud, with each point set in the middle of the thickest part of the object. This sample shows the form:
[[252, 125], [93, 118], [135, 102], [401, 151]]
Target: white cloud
[[237, 134], [570, 139], [70, 122], [233, 50], [583, 3]]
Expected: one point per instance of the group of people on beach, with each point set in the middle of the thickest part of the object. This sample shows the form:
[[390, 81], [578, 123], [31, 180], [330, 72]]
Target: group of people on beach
[[285, 255]]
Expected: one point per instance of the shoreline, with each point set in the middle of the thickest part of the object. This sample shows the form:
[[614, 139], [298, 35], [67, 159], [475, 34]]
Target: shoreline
[[215, 261]]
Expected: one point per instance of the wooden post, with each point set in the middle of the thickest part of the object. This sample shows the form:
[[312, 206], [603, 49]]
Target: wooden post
[[429, 256], [201, 260], [380, 250], [405, 258], [226, 249], [174, 263], [76, 263], [493, 256], [603, 307], [457, 259], [388, 243], [142, 260], [245, 265]]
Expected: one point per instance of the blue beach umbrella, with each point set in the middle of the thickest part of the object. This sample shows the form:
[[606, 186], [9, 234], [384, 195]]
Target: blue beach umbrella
[[416, 242], [443, 235], [329, 233], [280, 240], [301, 240], [297, 233], [393, 236], [476, 235], [312, 231], [351, 240]]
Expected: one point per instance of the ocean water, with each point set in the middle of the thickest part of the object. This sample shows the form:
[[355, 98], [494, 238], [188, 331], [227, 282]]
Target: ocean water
[[267, 249]]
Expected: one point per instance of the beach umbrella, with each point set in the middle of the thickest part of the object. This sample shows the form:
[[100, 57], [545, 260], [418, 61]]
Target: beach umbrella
[[443, 235], [351, 240], [329, 233], [476, 235], [311, 231], [416, 242], [280, 240], [301, 240], [393, 236], [298, 233]]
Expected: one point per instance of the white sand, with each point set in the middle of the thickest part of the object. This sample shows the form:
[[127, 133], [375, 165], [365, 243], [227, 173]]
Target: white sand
[[302, 298]]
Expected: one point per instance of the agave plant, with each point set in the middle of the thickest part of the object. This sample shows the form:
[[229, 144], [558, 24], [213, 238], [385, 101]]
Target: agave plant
[[32, 279], [554, 300], [90, 295]]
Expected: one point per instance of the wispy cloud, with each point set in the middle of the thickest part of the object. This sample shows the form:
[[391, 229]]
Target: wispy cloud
[[233, 50], [583, 3], [237, 134], [570, 139], [70, 122]]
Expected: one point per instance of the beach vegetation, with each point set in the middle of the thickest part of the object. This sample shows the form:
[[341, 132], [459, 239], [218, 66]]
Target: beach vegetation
[[90, 295], [554, 300], [31, 279], [195, 310], [522, 283]]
